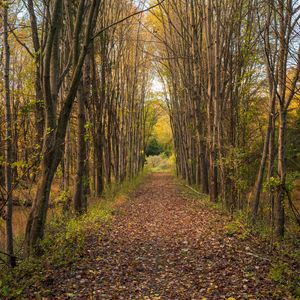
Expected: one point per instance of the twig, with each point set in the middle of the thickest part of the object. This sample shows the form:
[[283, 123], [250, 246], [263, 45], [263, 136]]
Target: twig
[[9, 255], [254, 255], [195, 191], [21, 43], [3, 261]]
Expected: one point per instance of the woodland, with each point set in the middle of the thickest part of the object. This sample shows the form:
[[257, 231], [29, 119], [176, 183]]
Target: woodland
[[157, 130]]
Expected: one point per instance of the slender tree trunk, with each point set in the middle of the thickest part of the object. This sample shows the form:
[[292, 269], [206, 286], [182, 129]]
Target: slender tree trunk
[[8, 138], [260, 175], [279, 200], [39, 111], [271, 167], [99, 165], [261, 171], [80, 197], [66, 163], [204, 168]]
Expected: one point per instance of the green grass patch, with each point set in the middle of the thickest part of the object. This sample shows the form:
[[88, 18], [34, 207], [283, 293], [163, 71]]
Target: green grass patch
[[285, 277]]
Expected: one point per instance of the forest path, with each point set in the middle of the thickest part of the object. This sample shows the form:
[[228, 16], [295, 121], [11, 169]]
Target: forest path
[[165, 245]]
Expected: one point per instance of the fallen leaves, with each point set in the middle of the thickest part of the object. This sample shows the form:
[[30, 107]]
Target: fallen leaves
[[163, 246]]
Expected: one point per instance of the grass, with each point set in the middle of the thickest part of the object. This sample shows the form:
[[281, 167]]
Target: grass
[[64, 239]]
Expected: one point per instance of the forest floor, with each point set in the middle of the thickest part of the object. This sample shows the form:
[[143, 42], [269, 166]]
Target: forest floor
[[162, 244]]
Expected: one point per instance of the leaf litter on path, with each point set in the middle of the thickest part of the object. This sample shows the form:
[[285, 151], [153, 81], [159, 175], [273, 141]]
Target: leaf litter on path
[[161, 245]]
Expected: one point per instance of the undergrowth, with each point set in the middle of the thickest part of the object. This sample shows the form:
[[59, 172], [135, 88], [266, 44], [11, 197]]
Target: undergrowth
[[285, 255], [63, 244], [161, 163]]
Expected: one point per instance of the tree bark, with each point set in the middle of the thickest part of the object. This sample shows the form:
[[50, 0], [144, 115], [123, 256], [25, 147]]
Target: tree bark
[[80, 197], [281, 190], [8, 142], [39, 106]]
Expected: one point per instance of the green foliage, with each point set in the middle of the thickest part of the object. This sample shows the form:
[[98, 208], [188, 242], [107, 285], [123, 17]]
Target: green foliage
[[238, 228], [279, 271], [19, 164], [87, 134], [59, 171], [285, 269], [30, 106], [237, 171], [285, 277], [291, 180], [271, 184], [154, 148], [64, 197], [274, 182]]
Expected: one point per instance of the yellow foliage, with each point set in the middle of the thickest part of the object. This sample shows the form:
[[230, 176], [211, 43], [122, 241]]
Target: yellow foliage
[[162, 129]]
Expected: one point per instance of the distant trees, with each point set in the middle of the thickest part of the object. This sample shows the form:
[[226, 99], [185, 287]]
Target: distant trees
[[157, 131], [220, 60]]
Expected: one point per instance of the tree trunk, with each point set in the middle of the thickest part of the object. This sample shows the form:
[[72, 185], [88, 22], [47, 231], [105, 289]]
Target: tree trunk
[[37, 217], [54, 137], [204, 172], [8, 138], [261, 171], [80, 197], [279, 200], [39, 107]]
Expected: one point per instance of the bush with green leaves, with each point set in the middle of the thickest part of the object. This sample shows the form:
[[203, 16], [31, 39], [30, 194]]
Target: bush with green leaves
[[154, 148]]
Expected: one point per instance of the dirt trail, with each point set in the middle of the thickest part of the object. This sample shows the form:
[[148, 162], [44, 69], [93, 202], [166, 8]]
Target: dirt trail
[[162, 245]]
